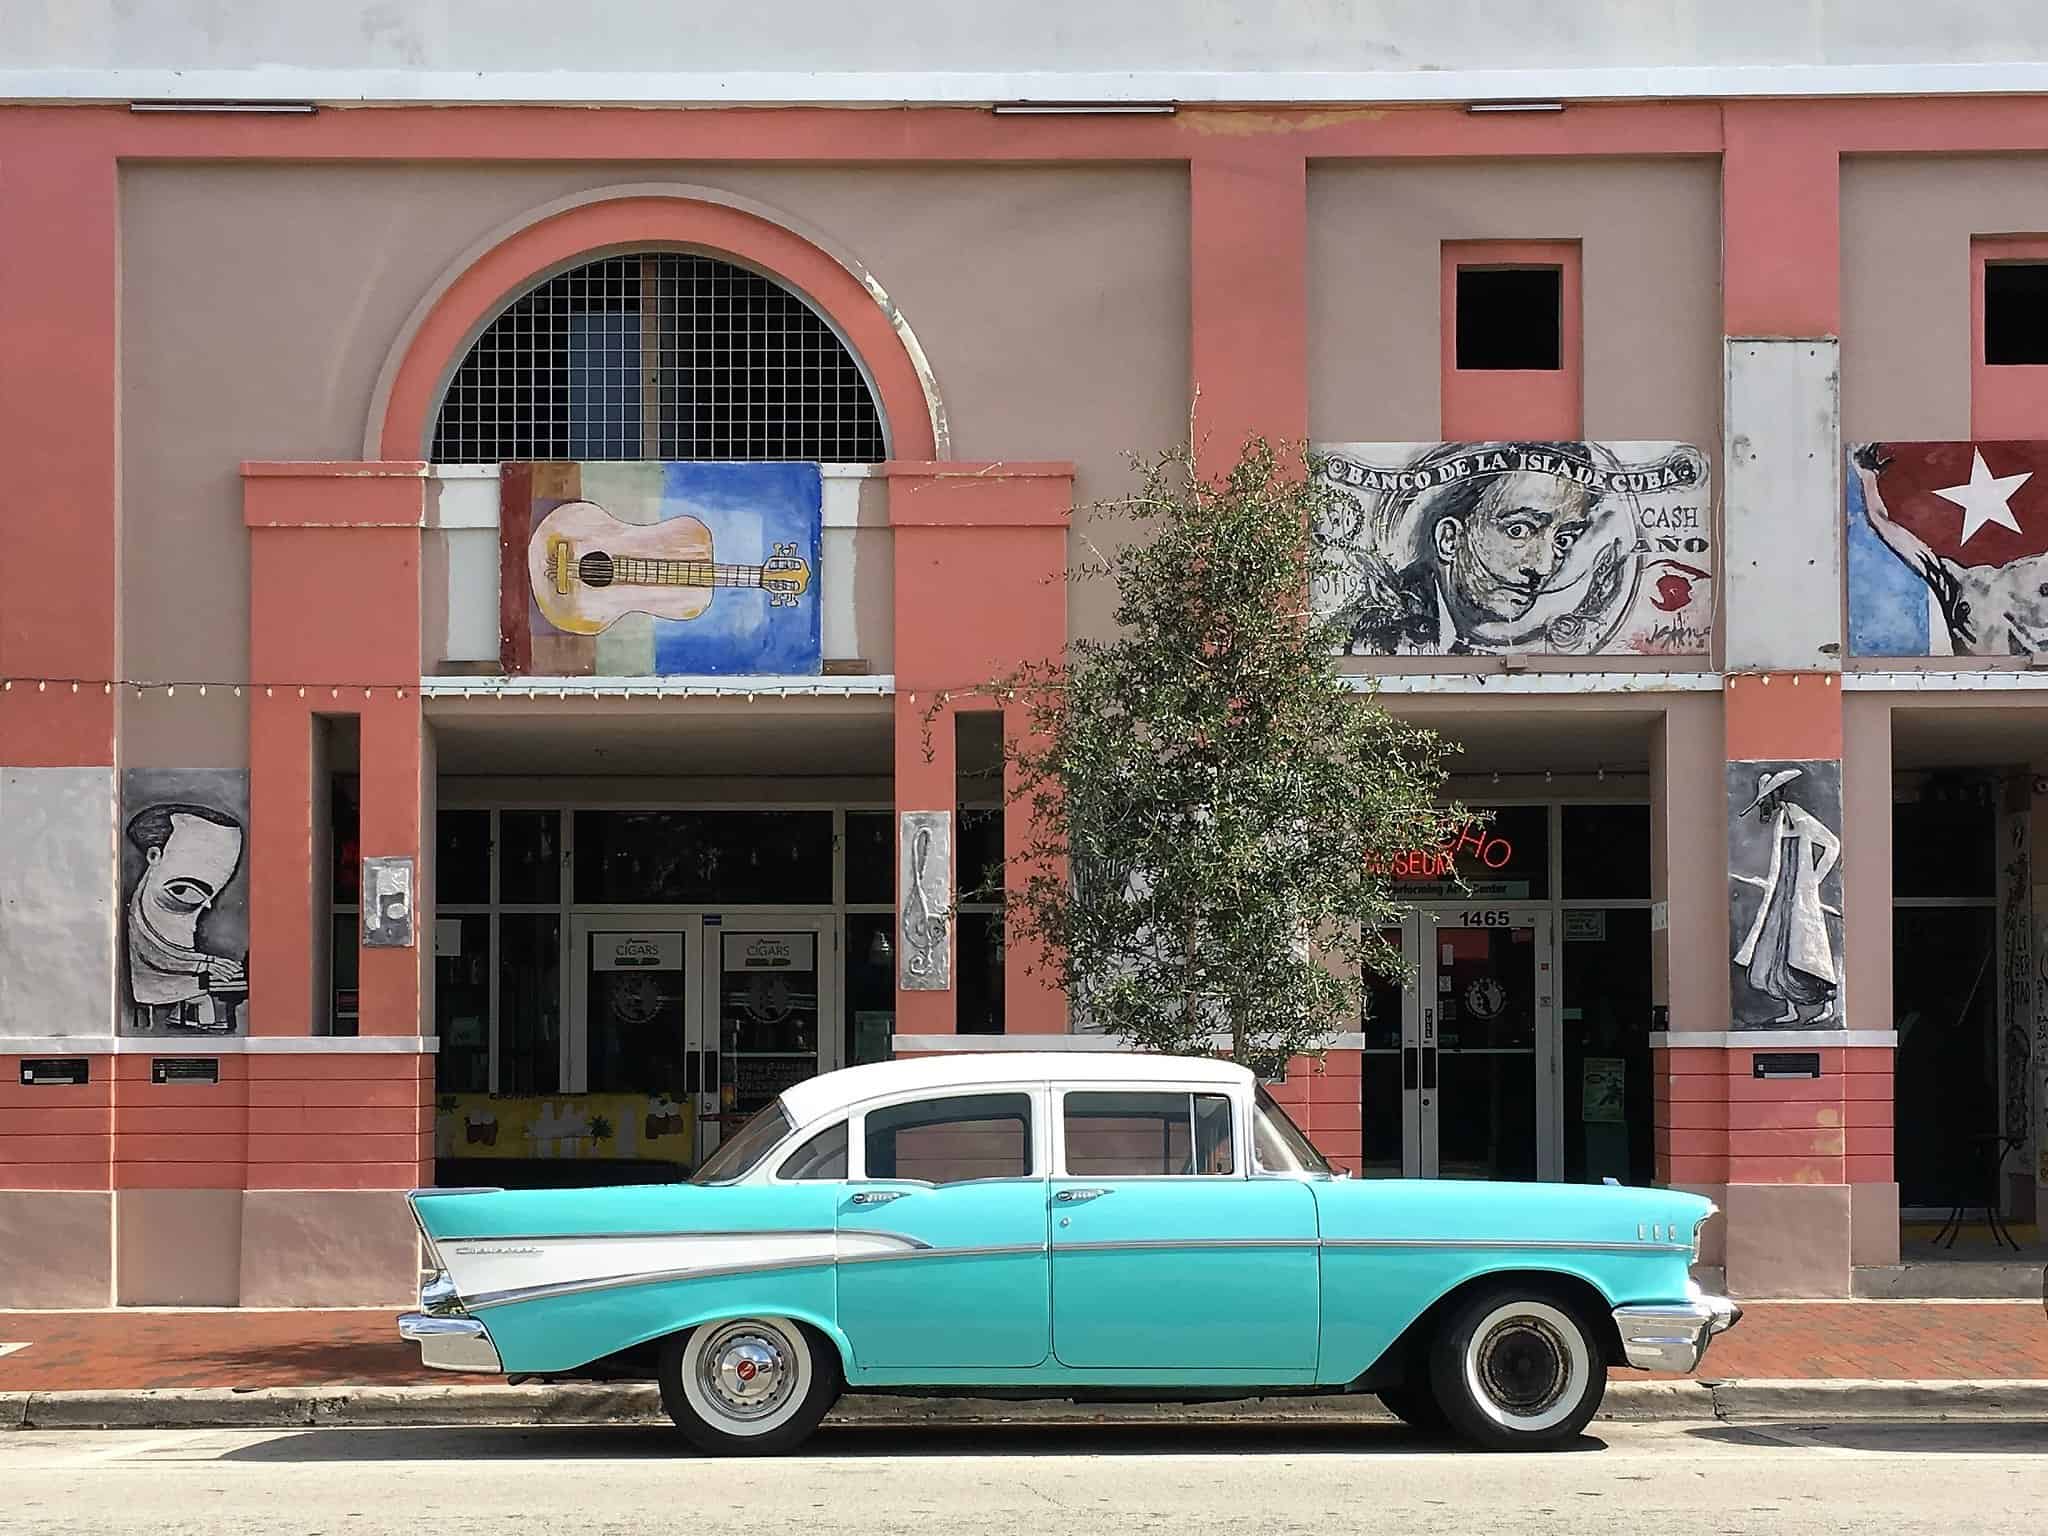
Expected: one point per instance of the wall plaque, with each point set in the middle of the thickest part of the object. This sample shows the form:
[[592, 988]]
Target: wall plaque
[[387, 903], [55, 1071], [925, 854], [184, 1069]]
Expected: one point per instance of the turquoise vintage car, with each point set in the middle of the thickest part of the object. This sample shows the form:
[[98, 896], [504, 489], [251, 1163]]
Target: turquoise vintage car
[[1063, 1224]]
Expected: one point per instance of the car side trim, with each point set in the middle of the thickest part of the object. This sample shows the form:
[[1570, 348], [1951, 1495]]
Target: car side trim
[[522, 1293], [1506, 1244], [1155, 1243]]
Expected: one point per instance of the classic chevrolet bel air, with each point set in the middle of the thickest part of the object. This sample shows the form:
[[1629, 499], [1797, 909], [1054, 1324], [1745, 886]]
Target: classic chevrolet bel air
[[1062, 1224]]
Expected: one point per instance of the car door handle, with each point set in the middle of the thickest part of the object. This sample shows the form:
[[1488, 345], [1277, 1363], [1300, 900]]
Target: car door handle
[[878, 1196], [1078, 1196]]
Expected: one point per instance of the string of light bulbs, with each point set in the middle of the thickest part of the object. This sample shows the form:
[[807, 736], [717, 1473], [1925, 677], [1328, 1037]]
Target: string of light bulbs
[[142, 685]]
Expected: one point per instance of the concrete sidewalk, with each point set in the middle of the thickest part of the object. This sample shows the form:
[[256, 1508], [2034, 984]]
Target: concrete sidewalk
[[169, 1369], [582, 1404]]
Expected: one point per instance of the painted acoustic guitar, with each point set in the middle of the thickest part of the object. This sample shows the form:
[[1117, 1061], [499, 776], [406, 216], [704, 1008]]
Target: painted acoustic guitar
[[589, 570]]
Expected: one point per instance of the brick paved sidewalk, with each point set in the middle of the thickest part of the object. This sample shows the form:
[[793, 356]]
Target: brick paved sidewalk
[[1784, 1340]]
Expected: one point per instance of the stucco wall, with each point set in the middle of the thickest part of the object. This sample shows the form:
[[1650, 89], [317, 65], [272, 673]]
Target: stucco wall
[[56, 901], [1650, 235], [259, 303], [1906, 230]]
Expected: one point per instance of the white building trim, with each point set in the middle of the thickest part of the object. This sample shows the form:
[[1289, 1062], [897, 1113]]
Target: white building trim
[[1535, 682], [283, 84], [881, 685], [226, 1045], [1947, 680], [1771, 1039], [1353, 1041]]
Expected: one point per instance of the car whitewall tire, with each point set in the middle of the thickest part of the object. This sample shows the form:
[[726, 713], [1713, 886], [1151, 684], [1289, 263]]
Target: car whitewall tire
[[1517, 1371], [747, 1386]]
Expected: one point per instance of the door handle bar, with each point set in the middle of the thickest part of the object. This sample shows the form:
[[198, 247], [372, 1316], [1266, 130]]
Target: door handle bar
[[1078, 1196], [878, 1196]]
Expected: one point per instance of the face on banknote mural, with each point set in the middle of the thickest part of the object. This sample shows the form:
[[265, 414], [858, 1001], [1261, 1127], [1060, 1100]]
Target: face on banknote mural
[[1445, 549]]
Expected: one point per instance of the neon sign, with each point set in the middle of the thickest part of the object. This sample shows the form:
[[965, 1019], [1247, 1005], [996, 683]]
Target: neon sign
[[1441, 863]]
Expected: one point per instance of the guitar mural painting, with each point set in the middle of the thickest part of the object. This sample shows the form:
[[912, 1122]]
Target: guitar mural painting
[[652, 569]]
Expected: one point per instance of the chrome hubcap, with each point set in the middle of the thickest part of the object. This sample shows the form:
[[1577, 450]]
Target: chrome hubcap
[[747, 1369], [1524, 1366]]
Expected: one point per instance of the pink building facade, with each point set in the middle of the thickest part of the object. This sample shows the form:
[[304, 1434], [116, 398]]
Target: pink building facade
[[1691, 442]]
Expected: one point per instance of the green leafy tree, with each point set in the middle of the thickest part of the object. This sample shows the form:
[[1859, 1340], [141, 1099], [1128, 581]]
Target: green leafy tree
[[1216, 810]]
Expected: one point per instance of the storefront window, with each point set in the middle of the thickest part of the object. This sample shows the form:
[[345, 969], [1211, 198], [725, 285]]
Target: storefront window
[[1606, 852], [343, 1016], [462, 858], [462, 1003], [344, 825], [1944, 848], [870, 986], [979, 853], [1608, 1099], [530, 1003], [871, 856], [978, 966], [1945, 1000], [530, 857], [733, 858], [1502, 856]]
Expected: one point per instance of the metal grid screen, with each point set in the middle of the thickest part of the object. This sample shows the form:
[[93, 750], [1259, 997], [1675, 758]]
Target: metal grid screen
[[661, 355]]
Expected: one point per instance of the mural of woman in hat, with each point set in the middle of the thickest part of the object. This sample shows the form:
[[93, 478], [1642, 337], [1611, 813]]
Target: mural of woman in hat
[[1789, 954]]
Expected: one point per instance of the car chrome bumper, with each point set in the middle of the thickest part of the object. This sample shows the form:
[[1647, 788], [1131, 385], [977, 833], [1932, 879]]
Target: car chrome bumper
[[451, 1343], [1673, 1336]]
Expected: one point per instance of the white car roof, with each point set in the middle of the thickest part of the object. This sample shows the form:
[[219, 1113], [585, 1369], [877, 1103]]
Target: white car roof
[[821, 1096]]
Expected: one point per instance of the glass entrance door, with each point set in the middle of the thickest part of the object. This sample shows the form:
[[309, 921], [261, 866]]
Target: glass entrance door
[[632, 1047], [771, 1002], [1388, 1063], [1486, 1045]]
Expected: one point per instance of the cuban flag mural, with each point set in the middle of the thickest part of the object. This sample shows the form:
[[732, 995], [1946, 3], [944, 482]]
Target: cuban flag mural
[[1948, 549]]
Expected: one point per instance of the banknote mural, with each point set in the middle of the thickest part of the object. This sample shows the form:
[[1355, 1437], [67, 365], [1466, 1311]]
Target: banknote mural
[[1566, 549], [636, 569], [1948, 548]]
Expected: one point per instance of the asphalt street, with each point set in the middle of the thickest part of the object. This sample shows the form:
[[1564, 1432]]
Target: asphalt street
[[1958, 1478]]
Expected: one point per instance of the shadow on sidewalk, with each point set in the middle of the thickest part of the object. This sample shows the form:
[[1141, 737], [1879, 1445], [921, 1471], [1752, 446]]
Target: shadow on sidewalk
[[1896, 1437], [630, 1442]]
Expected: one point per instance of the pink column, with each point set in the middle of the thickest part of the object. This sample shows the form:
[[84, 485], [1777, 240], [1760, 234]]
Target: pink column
[[1248, 293], [980, 567]]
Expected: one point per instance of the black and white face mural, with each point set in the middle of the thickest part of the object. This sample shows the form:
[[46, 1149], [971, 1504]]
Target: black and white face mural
[[185, 900], [1567, 549], [1785, 894]]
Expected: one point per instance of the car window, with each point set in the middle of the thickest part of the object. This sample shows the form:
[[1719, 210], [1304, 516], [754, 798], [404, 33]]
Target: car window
[[1278, 1145], [1147, 1134], [946, 1141], [739, 1154], [822, 1157]]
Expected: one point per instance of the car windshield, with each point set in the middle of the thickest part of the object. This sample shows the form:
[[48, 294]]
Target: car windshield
[[740, 1153], [1278, 1144]]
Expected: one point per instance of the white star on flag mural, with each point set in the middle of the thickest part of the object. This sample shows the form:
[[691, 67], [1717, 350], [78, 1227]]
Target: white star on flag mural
[[1987, 498]]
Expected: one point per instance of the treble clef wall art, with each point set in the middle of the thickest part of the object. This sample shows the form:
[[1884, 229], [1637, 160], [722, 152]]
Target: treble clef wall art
[[925, 851]]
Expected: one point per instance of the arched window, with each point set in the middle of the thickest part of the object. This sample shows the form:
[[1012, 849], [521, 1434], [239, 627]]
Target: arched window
[[658, 355]]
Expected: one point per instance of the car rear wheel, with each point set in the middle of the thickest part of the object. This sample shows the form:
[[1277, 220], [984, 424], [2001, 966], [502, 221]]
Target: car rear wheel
[[753, 1386], [1518, 1370]]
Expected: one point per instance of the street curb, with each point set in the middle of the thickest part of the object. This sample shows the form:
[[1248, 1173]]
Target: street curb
[[591, 1404]]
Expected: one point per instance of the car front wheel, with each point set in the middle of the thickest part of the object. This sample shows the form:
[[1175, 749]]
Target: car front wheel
[[753, 1386], [1516, 1370]]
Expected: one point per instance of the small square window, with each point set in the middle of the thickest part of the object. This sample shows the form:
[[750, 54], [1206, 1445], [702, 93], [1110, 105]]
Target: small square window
[[1511, 318], [2016, 313]]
